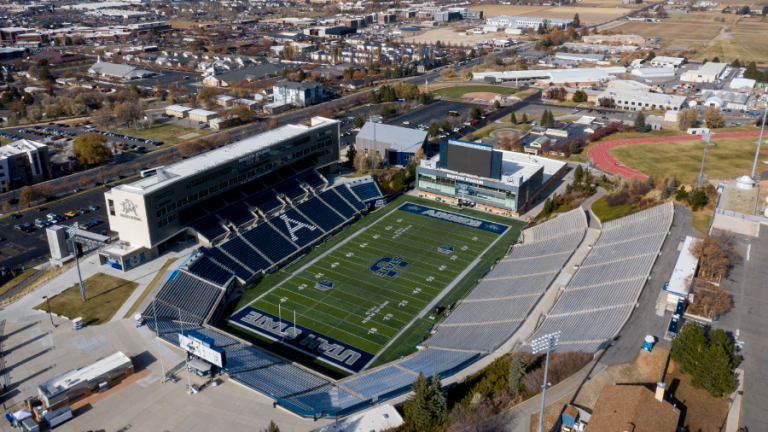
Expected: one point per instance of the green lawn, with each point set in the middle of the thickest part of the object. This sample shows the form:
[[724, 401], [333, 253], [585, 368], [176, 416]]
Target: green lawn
[[605, 213], [166, 132], [459, 91], [367, 310], [726, 159], [701, 222], [104, 294], [486, 131]]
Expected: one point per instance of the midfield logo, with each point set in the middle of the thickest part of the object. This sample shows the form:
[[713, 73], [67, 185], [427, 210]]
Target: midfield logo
[[386, 266]]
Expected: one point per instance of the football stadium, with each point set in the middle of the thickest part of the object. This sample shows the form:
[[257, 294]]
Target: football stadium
[[328, 297]]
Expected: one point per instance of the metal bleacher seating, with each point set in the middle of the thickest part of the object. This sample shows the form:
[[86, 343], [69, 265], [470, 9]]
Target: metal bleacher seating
[[265, 201], [209, 226], [322, 215], [270, 242], [291, 188], [602, 294], [224, 260], [312, 178], [333, 199], [243, 252], [238, 214], [211, 271], [302, 237], [279, 380], [192, 296], [350, 198]]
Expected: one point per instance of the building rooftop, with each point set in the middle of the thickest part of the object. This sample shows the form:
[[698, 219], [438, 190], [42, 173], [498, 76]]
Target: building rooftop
[[19, 147], [402, 139], [685, 268], [202, 112], [383, 417], [638, 96], [119, 70], [87, 373], [213, 158], [629, 85], [710, 68], [178, 108], [296, 85], [675, 60], [632, 407]]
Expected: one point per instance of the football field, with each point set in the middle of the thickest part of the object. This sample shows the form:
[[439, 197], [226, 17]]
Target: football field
[[361, 294]]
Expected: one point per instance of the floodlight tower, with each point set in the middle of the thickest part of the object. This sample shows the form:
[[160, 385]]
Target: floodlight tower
[[544, 343], [706, 137]]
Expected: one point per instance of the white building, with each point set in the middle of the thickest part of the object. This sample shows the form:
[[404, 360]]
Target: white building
[[526, 22], [705, 74], [301, 94], [584, 58], [667, 62], [556, 76], [739, 83], [653, 72], [23, 162], [642, 101], [629, 85], [680, 283]]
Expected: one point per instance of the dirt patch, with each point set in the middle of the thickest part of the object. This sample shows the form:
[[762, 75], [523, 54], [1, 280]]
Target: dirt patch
[[698, 410], [190, 135], [481, 95]]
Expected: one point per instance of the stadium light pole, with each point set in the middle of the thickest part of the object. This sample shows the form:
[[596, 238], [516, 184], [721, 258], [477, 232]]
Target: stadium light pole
[[705, 136], [759, 140], [186, 353], [546, 342], [157, 335], [72, 231]]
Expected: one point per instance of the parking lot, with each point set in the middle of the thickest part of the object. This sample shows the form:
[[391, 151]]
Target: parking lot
[[19, 248]]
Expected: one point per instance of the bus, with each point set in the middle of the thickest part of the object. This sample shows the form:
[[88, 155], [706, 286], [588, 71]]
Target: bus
[[151, 171]]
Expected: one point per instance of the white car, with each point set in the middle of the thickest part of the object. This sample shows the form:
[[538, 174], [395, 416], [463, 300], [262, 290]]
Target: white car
[[406, 122]]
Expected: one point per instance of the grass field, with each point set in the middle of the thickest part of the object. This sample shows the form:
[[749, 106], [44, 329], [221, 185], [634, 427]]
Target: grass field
[[458, 92], [597, 11], [691, 31], [341, 311], [104, 293], [728, 158], [166, 132]]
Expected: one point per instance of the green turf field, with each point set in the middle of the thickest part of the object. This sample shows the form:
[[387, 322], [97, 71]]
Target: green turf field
[[368, 310]]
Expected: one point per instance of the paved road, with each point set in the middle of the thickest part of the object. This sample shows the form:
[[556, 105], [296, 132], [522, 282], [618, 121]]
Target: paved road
[[603, 159]]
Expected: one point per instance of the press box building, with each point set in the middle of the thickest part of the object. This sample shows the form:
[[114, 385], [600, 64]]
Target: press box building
[[496, 180], [146, 213]]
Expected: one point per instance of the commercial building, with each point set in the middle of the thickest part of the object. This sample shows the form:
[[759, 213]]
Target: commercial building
[[629, 85], [642, 101], [742, 83], [667, 62], [494, 180], [85, 381], [614, 39], [566, 77], [178, 111], [12, 53], [396, 145], [295, 93], [119, 71], [23, 163], [252, 73], [202, 115], [446, 16], [653, 72], [583, 58], [151, 211], [526, 22], [707, 73]]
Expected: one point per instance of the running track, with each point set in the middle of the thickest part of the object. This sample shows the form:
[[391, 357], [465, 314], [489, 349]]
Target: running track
[[601, 156]]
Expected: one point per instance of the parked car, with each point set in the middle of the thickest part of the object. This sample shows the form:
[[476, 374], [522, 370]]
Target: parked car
[[79, 189], [70, 214], [93, 207], [82, 211]]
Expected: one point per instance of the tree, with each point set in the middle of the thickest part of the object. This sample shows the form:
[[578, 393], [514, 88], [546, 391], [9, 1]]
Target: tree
[[84, 181], [272, 124], [687, 119], [446, 126], [433, 128], [716, 255], [765, 10], [359, 122], [580, 96], [271, 427], [709, 360], [716, 59], [439, 397], [736, 63], [476, 112], [640, 122], [513, 118], [709, 299], [351, 154], [387, 110], [651, 56], [9, 78], [29, 194], [91, 148], [129, 112], [525, 118], [713, 118], [419, 408], [576, 21], [504, 143], [360, 161], [573, 148], [517, 368], [7, 207], [496, 104]]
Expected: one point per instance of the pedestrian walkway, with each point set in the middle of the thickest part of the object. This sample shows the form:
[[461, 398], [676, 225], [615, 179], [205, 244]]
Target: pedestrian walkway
[[600, 154]]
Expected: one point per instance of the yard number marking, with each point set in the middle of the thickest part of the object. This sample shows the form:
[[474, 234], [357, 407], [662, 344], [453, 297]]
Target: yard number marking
[[302, 286], [350, 255], [430, 279], [334, 265], [372, 330], [442, 267], [403, 303], [465, 247], [319, 275], [363, 245], [388, 228], [453, 258], [417, 290], [399, 220], [474, 238], [387, 317], [376, 236]]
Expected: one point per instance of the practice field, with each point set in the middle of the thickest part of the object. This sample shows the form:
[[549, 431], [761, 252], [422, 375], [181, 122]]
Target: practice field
[[459, 91], [358, 297], [727, 159], [679, 31]]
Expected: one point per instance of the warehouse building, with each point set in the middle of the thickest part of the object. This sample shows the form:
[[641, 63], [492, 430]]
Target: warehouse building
[[24, 163], [614, 39], [653, 72], [567, 77], [118, 71], [667, 62], [583, 58], [446, 16], [707, 73], [151, 212], [642, 101], [495, 180], [248, 74], [396, 145], [526, 22]]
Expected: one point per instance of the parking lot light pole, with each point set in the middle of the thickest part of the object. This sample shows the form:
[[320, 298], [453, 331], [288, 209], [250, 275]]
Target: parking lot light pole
[[705, 136], [759, 140], [546, 342], [49, 310], [71, 231]]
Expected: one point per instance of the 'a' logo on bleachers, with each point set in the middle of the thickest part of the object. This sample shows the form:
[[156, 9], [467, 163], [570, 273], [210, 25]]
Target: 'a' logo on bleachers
[[294, 225]]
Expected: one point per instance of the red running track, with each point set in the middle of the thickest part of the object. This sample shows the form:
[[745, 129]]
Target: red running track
[[601, 157]]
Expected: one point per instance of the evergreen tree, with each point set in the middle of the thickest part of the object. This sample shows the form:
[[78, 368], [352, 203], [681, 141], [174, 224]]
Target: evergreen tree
[[640, 122], [651, 56], [541, 29], [439, 397], [513, 118], [716, 372], [687, 348], [525, 118], [716, 59], [736, 63], [576, 21], [573, 148], [517, 368], [578, 174], [9, 78], [419, 408], [272, 427], [445, 126]]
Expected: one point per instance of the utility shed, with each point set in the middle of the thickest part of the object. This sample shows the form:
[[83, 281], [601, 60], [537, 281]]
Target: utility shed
[[85, 380]]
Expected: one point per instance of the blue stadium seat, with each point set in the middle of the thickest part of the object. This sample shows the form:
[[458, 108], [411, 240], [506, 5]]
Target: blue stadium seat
[[242, 358], [192, 296], [210, 271], [280, 380], [238, 214], [265, 201], [320, 214], [291, 189], [241, 251], [286, 221], [312, 178], [209, 226], [366, 191], [334, 200], [269, 242], [221, 258], [328, 398], [347, 195], [382, 381]]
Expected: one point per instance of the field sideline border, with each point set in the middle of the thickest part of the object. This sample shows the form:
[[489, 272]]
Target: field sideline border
[[426, 308]]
